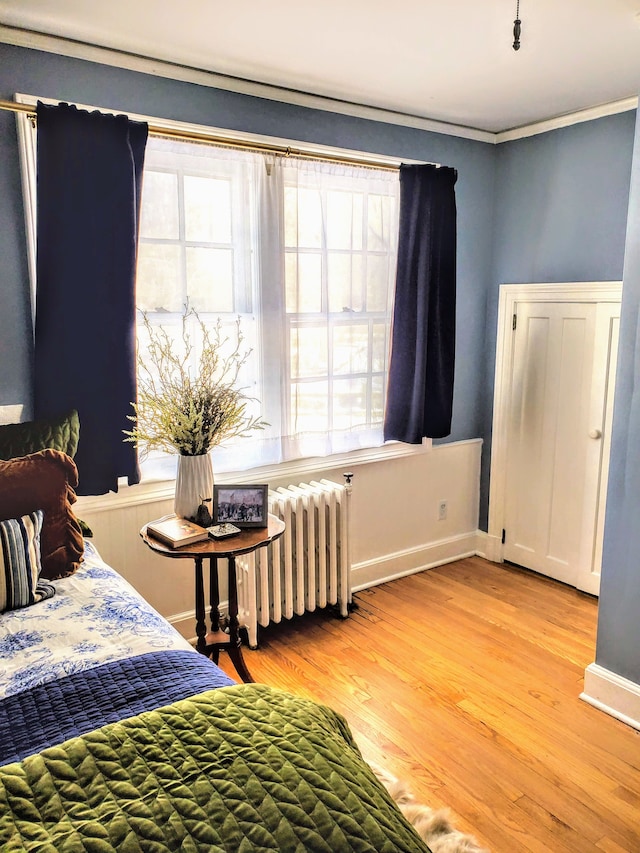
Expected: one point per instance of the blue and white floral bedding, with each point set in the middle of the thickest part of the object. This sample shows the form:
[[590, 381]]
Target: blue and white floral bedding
[[95, 617]]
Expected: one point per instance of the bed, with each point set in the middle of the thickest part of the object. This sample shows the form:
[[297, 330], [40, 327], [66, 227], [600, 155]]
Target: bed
[[116, 735]]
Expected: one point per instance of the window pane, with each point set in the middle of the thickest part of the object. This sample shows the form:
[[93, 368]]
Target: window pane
[[207, 210], [290, 216], [349, 403], [159, 279], [377, 399], [344, 220], [379, 223], [309, 411], [159, 206], [309, 219], [308, 352], [344, 282], [350, 349], [303, 283], [171, 327], [377, 282], [291, 283], [378, 350], [210, 279]]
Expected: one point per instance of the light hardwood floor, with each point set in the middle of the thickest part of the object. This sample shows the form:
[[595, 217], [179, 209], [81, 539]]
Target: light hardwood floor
[[464, 681]]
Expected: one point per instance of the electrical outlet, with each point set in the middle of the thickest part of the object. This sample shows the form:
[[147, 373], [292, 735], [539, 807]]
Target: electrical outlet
[[442, 510]]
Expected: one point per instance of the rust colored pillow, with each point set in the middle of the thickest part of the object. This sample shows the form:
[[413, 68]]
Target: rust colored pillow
[[45, 480]]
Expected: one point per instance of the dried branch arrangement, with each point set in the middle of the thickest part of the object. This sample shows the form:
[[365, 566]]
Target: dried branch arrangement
[[179, 411]]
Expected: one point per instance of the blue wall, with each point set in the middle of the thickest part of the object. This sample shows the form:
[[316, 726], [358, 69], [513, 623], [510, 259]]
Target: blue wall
[[561, 211], [15, 317], [568, 209], [52, 76], [618, 647]]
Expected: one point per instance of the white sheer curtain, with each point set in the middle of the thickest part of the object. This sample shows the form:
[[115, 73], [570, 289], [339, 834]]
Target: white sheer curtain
[[304, 252], [199, 246], [339, 245]]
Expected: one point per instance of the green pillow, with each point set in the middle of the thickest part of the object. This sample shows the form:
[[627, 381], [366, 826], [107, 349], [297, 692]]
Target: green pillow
[[32, 436]]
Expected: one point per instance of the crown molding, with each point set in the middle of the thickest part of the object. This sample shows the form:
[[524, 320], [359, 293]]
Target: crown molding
[[590, 114], [214, 80], [160, 68]]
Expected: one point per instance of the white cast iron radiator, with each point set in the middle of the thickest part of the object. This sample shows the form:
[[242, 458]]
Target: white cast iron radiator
[[309, 567]]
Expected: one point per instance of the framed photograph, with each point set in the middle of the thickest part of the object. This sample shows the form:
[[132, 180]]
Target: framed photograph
[[244, 506]]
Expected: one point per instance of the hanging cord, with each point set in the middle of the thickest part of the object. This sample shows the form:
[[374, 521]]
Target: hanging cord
[[517, 27]]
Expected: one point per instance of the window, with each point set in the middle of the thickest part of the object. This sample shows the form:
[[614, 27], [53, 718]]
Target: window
[[303, 252]]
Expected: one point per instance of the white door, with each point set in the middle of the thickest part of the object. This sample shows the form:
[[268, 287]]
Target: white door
[[560, 381]]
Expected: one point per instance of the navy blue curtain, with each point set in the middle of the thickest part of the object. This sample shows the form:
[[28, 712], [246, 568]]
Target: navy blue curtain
[[420, 385], [89, 187]]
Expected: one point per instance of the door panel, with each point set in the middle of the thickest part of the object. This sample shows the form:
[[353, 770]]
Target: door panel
[[548, 436], [526, 435], [600, 422]]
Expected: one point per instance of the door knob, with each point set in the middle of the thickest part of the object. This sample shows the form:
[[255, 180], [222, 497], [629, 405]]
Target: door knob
[[595, 433]]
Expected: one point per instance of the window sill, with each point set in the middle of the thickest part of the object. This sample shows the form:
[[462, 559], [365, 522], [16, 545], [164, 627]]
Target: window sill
[[151, 491]]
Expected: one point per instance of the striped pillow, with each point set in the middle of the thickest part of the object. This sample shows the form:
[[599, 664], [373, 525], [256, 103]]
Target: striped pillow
[[20, 562]]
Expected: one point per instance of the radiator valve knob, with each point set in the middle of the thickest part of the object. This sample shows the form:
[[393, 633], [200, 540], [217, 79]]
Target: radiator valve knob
[[348, 476]]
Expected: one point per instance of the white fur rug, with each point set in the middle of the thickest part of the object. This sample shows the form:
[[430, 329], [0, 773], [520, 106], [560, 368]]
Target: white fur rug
[[432, 825]]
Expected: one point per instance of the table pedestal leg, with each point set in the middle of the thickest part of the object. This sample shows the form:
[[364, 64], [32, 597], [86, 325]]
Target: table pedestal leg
[[201, 625], [234, 648], [209, 644], [214, 604]]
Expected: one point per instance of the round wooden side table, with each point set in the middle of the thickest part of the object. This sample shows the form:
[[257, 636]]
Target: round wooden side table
[[210, 643]]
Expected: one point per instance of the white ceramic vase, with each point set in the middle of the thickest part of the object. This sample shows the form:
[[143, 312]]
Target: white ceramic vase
[[194, 484]]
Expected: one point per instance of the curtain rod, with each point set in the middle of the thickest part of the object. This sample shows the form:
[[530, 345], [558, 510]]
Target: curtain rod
[[229, 142]]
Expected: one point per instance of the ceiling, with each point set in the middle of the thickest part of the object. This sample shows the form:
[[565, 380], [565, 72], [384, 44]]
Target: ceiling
[[446, 60]]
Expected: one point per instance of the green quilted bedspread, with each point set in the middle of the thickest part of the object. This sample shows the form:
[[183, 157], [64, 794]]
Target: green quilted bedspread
[[239, 769]]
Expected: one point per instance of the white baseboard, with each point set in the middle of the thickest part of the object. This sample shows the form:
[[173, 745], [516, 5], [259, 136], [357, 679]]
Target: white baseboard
[[489, 547], [402, 563], [612, 694], [185, 624]]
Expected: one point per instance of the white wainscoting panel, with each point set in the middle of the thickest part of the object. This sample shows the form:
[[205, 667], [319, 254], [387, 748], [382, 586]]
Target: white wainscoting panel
[[395, 524], [11, 414]]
